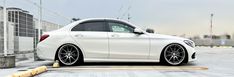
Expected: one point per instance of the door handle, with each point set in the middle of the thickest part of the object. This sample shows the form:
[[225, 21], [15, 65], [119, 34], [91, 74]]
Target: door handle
[[79, 35], [114, 35]]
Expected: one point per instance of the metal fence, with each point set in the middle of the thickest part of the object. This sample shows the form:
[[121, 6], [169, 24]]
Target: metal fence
[[1, 37], [1, 46]]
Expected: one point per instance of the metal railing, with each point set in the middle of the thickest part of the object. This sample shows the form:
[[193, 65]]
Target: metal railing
[[1, 46]]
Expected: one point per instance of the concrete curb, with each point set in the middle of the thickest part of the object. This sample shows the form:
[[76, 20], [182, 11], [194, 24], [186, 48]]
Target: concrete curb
[[30, 72]]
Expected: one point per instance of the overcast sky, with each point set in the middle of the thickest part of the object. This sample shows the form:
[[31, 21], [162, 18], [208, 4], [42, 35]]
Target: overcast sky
[[175, 17]]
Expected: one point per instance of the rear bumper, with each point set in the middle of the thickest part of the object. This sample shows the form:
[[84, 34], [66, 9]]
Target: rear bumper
[[46, 52]]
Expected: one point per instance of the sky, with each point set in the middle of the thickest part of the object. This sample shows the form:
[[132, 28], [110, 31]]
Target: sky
[[173, 17]]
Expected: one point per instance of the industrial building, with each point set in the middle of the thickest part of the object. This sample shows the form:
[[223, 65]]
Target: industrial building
[[45, 27], [1, 30], [22, 30], [10, 31]]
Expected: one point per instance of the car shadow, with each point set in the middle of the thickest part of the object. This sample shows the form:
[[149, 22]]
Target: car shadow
[[130, 64], [121, 64]]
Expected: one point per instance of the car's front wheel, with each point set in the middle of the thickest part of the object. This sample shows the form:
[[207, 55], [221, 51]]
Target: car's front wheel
[[174, 54], [68, 54]]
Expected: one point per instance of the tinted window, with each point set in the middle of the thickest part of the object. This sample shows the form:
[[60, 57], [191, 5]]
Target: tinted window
[[91, 26], [120, 27]]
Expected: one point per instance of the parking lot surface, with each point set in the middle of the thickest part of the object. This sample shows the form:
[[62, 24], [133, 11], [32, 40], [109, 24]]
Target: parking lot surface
[[212, 62]]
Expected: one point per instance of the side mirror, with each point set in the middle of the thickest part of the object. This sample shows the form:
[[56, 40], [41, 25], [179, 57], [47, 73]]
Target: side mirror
[[138, 31], [150, 30]]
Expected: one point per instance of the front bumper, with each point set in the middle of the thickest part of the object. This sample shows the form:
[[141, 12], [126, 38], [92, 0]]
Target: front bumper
[[192, 54]]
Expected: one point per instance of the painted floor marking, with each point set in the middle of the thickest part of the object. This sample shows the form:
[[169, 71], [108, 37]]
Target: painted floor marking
[[182, 68]]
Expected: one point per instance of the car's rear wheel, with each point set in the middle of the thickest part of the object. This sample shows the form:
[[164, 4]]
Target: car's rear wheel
[[174, 54], [68, 54]]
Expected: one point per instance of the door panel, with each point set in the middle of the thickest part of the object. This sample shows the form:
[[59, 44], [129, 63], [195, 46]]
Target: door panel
[[128, 46], [92, 37], [125, 44], [94, 44]]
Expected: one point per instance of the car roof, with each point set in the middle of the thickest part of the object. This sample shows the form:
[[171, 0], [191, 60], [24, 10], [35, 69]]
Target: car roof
[[89, 19], [71, 25]]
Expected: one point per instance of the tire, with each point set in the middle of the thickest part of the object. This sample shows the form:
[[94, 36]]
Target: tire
[[69, 55], [173, 54]]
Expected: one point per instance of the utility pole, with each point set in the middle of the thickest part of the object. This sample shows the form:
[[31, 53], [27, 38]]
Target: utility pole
[[5, 27], [39, 30], [39, 21], [211, 30]]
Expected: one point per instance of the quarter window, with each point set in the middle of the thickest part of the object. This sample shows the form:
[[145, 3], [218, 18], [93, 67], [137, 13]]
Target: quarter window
[[120, 27], [91, 26]]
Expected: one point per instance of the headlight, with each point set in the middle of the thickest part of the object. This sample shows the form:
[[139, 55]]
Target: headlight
[[189, 43]]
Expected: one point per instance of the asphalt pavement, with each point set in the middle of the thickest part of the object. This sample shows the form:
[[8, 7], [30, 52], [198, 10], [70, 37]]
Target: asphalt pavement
[[212, 62]]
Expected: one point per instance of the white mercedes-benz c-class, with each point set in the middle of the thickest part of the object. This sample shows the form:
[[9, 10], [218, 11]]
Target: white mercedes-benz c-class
[[112, 40]]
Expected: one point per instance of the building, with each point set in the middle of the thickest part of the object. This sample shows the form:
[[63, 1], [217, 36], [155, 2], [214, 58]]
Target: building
[[1, 29], [23, 22], [1, 38], [1, 13], [45, 27], [10, 37], [22, 31]]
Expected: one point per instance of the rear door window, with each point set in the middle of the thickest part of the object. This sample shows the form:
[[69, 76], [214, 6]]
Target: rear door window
[[99, 26]]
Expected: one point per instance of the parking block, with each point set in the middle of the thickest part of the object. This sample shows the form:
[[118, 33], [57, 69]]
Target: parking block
[[30, 73]]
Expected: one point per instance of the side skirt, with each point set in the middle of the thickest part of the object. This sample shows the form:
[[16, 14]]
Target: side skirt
[[120, 60]]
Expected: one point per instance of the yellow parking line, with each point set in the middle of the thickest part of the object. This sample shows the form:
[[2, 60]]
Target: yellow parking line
[[182, 68]]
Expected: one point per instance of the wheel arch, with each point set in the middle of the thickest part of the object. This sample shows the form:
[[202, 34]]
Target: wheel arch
[[161, 53], [56, 56]]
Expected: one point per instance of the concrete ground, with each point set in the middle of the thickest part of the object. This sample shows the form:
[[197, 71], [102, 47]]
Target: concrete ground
[[22, 66], [219, 62]]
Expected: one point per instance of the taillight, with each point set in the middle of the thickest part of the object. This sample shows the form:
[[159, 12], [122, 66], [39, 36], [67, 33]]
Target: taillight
[[43, 37]]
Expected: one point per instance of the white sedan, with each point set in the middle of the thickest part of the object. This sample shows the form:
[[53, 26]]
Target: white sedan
[[112, 40]]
